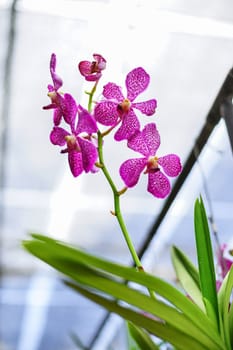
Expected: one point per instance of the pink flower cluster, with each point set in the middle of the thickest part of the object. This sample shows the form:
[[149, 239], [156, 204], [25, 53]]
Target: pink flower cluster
[[115, 110]]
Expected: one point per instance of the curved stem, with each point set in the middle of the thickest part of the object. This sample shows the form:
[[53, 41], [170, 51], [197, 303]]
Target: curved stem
[[91, 96], [117, 209]]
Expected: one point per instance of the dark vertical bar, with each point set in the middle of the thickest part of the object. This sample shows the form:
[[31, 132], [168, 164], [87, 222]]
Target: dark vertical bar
[[227, 114]]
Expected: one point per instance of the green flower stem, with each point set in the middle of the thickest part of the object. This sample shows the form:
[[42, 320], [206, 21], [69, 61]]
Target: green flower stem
[[117, 209], [90, 100], [116, 193]]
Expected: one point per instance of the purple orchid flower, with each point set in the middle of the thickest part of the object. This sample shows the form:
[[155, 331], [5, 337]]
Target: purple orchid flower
[[224, 262], [92, 71], [147, 143], [82, 152], [60, 104], [116, 108]]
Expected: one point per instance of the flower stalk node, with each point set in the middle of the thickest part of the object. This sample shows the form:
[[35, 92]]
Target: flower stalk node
[[124, 189]]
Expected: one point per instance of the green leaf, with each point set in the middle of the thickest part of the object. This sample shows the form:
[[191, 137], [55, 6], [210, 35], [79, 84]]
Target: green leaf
[[132, 344], [205, 262], [231, 324], [94, 272], [187, 275], [177, 338], [140, 337], [224, 296]]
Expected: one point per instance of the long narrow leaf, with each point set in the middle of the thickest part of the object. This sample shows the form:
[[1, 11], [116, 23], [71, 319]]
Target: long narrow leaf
[[205, 261], [151, 282], [187, 275], [141, 337], [231, 324], [224, 303], [88, 277], [47, 250], [164, 331]]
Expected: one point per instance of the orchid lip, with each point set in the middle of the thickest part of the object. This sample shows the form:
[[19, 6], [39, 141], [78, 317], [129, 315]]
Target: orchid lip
[[71, 142], [124, 106], [153, 162], [52, 94]]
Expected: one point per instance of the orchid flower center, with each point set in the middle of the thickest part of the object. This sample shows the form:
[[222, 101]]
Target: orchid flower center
[[124, 106], [52, 95], [152, 163], [94, 67], [72, 142]]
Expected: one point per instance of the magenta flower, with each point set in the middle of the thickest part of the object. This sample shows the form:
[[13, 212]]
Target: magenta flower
[[147, 143], [92, 71], [116, 108], [62, 105], [224, 263], [82, 152]]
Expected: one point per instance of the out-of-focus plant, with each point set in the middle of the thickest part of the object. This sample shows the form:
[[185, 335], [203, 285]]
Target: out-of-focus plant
[[199, 318]]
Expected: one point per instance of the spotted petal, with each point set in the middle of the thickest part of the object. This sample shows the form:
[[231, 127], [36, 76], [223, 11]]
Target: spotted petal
[[113, 91], [171, 164], [75, 162], [106, 113], [131, 169], [86, 123], [147, 107], [129, 126], [57, 116], [69, 109], [57, 81], [57, 136], [158, 184], [146, 141], [136, 82], [89, 153]]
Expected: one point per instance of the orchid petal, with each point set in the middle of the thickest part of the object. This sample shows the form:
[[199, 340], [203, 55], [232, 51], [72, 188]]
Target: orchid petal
[[86, 123], [89, 153], [158, 184], [129, 126], [69, 108], [113, 91], [50, 106], [131, 169], [85, 68], [106, 113], [50, 88], [57, 116], [136, 82], [171, 164], [93, 76], [100, 60], [146, 141], [75, 162], [57, 136], [146, 107], [57, 81]]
